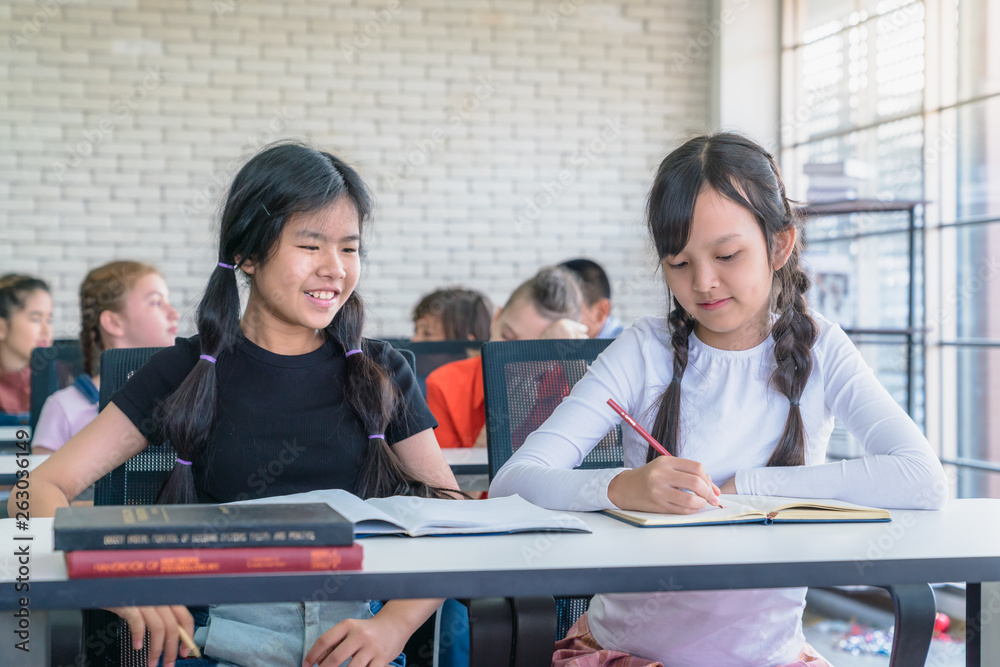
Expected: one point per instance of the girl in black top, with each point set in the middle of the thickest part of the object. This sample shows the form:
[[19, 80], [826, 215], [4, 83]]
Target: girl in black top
[[286, 398]]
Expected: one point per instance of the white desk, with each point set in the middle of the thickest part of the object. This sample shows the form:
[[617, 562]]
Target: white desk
[[9, 466], [467, 460], [960, 543], [14, 433]]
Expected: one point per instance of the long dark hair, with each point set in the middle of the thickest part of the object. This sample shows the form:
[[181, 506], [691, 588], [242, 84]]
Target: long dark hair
[[282, 180], [743, 172]]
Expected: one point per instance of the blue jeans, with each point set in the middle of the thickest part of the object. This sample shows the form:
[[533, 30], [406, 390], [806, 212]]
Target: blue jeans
[[453, 640], [269, 634]]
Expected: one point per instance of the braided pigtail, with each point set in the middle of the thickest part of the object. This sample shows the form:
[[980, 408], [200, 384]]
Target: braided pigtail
[[374, 398], [666, 428], [104, 288], [188, 415]]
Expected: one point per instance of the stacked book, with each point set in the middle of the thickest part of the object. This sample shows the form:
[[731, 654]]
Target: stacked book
[[836, 181], [165, 540]]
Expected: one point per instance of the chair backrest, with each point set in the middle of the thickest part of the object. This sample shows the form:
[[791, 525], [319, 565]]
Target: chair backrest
[[524, 381], [138, 480], [53, 368], [430, 356]]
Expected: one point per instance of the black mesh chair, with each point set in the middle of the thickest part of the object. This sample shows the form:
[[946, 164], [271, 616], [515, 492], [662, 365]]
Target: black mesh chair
[[430, 356], [524, 381], [53, 368]]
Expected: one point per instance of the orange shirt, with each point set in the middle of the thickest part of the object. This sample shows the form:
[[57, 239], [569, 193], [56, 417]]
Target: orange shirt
[[455, 397]]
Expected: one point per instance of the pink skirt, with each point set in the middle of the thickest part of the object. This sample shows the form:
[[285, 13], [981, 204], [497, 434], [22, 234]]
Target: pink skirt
[[580, 649]]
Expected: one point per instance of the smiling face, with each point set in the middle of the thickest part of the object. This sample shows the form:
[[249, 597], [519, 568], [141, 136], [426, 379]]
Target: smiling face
[[26, 329], [723, 276], [306, 280], [148, 319]]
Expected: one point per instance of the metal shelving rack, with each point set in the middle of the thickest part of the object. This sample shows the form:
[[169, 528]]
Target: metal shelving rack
[[913, 334]]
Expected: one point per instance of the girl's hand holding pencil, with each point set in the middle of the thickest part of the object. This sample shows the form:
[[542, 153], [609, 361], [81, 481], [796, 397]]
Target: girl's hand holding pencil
[[667, 484], [167, 626]]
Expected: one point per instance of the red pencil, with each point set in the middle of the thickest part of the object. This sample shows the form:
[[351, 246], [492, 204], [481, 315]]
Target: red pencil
[[638, 429]]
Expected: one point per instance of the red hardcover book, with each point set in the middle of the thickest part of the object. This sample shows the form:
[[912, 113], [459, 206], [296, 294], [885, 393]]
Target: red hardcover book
[[236, 560]]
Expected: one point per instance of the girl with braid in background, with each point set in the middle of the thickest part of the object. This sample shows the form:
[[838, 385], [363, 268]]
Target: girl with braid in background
[[289, 379], [122, 304], [741, 382]]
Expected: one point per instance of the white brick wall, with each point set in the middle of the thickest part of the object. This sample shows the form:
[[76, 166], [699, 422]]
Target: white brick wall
[[478, 125]]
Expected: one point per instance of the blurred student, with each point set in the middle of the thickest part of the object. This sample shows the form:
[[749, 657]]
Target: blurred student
[[25, 323], [122, 304], [546, 306], [596, 313], [453, 313]]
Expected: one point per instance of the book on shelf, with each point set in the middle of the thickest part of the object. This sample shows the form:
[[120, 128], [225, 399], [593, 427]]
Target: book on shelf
[[850, 167], [199, 525], [819, 195], [408, 515], [231, 560], [758, 509], [824, 182]]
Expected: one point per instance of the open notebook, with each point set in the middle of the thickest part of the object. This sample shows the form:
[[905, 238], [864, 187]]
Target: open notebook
[[758, 509], [407, 515]]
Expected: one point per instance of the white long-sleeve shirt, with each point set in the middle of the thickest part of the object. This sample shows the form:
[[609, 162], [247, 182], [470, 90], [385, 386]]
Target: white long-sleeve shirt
[[731, 421]]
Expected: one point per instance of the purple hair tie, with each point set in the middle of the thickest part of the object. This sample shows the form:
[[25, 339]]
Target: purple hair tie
[[377, 436], [226, 266], [208, 357], [183, 462], [350, 352]]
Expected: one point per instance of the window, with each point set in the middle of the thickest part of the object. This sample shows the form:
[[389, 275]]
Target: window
[[910, 89]]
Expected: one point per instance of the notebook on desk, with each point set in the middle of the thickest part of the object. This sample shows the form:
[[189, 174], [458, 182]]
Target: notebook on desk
[[758, 509], [415, 517]]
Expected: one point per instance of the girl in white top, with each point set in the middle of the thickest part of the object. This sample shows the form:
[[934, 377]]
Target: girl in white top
[[742, 383], [122, 304]]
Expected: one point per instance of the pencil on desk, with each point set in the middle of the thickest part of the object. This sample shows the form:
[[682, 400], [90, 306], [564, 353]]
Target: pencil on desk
[[187, 641], [644, 433]]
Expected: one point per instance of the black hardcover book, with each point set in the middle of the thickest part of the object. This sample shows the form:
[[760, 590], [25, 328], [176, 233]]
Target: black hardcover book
[[209, 526]]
